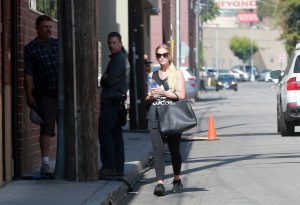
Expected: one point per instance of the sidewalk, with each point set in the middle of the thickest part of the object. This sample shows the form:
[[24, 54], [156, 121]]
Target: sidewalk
[[59, 192]]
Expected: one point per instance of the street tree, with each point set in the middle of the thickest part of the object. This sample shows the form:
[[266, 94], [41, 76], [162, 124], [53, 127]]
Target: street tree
[[210, 11], [267, 9], [289, 18], [243, 48]]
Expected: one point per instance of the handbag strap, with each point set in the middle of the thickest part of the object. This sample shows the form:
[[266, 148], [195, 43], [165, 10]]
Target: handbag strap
[[176, 95]]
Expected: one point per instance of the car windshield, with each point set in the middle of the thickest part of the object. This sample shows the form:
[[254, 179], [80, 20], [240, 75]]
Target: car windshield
[[226, 77]]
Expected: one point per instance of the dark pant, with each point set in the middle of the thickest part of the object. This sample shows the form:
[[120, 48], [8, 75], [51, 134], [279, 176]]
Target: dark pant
[[110, 138], [158, 142], [48, 107]]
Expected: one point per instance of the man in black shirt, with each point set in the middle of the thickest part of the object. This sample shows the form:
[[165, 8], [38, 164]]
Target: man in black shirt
[[114, 84]]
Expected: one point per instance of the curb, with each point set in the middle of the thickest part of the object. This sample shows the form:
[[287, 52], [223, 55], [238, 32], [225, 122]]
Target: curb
[[118, 187]]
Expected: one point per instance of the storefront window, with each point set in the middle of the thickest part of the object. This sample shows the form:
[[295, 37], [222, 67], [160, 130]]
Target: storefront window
[[48, 7]]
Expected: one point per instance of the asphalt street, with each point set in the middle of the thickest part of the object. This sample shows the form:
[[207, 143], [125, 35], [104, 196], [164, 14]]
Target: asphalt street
[[250, 164]]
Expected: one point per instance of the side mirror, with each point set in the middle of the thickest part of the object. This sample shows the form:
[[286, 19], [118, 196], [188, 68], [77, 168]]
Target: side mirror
[[276, 75]]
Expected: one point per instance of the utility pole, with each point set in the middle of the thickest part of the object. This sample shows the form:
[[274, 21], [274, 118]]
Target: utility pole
[[136, 57], [78, 41], [197, 7]]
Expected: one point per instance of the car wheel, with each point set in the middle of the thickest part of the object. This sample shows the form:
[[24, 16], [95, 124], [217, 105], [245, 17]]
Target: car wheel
[[217, 90], [235, 89], [286, 129]]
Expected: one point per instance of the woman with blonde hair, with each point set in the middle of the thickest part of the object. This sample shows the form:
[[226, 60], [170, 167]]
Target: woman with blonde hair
[[171, 87]]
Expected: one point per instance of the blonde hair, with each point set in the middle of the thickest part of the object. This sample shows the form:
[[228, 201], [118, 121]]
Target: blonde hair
[[171, 70]]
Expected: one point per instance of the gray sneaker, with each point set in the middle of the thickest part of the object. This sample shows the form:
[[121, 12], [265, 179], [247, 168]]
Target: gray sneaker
[[46, 170]]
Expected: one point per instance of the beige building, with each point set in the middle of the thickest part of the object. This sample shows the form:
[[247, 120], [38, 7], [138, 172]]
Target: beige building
[[271, 53]]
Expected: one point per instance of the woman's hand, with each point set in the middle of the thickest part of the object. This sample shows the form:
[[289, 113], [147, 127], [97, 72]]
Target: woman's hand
[[159, 91], [150, 96]]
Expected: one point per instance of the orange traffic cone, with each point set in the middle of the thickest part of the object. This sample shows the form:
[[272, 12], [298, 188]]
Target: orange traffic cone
[[212, 135]]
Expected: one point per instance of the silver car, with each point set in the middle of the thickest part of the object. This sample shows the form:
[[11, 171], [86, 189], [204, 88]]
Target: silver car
[[191, 85]]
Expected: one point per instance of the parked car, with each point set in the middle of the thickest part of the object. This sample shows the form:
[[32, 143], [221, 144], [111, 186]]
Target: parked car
[[226, 81], [191, 85], [288, 95], [249, 71], [239, 75], [264, 75], [211, 72]]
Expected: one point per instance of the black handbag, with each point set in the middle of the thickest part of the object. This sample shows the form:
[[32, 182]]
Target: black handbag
[[176, 117]]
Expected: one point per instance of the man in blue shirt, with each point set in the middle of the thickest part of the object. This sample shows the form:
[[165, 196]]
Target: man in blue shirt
[[41, 83]]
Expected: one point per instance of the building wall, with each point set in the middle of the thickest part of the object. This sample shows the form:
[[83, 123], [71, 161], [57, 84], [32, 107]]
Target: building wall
[[184, 33], [192, 39], [156, 33], [113, 16], [270, 48]]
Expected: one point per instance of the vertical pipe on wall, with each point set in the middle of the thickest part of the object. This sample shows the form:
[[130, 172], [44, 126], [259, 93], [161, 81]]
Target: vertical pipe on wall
[[60, 151], [75, 90], [2, 90], [14, 67]]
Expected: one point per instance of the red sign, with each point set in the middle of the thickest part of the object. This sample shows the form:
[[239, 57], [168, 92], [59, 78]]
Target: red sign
[[247, 17], [236, 4]]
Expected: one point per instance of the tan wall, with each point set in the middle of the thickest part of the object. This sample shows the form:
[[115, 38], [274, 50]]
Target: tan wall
[[113, 16], [267, 40]]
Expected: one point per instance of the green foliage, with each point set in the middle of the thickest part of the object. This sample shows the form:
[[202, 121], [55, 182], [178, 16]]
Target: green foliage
[[266, 8], [241, 48], [48, 7], [211, 11], [289, 19]]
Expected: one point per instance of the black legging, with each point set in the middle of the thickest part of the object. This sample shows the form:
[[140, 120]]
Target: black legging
[[159, 148]]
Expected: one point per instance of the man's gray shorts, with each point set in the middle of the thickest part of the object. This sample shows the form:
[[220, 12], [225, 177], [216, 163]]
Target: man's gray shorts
[[48, 107]]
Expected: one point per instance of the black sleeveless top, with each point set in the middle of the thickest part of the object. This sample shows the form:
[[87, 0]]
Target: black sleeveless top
[[159, 81], [161, 100]]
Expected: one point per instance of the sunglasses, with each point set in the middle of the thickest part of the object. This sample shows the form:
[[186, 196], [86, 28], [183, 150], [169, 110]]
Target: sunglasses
[[159, 55]]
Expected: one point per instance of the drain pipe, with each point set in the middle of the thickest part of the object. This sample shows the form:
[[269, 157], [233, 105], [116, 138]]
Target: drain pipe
[[75, 90], [60, 153], [14, 64]]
